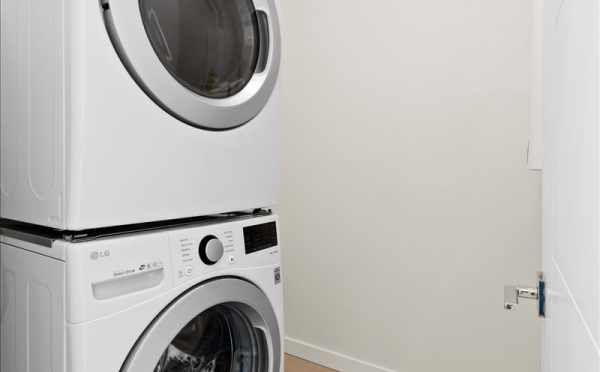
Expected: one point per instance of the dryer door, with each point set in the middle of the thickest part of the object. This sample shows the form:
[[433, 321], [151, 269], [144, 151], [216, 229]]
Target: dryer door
[[212, 64], [227, 325]]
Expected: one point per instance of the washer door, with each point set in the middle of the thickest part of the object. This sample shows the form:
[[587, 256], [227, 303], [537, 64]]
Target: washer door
[[212, 64], [227, 325]]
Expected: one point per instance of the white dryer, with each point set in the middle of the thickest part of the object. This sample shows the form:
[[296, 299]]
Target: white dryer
[[197, 298], [125, 112]]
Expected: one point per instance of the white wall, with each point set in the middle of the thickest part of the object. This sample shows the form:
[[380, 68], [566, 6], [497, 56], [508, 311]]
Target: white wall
[[406, 201]]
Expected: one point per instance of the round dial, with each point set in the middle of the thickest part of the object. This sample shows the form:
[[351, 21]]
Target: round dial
[[211, 250]]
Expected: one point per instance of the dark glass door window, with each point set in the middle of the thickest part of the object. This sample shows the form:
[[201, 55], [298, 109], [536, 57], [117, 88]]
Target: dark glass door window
[[221, 339], [210, 46]]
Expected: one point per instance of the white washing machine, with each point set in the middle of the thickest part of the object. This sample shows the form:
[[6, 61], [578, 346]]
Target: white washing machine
[[195, 299], [124, 112]]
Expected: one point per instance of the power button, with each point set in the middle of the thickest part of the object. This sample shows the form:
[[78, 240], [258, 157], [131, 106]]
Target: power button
[[188, 270]]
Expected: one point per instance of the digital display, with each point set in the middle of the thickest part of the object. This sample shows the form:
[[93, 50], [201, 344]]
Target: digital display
[[260, 237]]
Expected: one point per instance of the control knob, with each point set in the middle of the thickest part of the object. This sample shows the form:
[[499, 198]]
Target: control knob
[[211, 250]]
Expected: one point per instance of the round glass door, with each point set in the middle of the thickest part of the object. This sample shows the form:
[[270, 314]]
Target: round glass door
[[209, 46], [212, 64], [225, 325], [221, 339]]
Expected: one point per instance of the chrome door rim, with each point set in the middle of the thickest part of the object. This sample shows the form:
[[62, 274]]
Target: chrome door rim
[[165, 327], [127, 32]]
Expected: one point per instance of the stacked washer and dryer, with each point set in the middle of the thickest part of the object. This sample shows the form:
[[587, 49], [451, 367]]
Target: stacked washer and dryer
[[139, 162]]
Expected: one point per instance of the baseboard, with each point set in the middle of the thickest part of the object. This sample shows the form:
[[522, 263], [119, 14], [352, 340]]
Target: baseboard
[[329, 358]]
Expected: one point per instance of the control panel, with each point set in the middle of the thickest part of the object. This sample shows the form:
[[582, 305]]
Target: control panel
[[138, 262], [207, 249], [121, 271], [197, 250]]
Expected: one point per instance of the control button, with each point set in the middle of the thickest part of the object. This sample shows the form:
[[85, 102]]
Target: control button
[[211, 250], [188, 270], [277, 275]]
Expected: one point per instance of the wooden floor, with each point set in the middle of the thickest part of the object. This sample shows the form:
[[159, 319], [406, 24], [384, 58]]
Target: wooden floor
[[293, 364]]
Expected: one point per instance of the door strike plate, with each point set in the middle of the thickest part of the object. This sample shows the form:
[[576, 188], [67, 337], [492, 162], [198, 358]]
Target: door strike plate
[[514, 294]]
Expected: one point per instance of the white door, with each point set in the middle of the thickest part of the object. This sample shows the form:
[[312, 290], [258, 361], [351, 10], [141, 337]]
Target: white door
[[571, 188]]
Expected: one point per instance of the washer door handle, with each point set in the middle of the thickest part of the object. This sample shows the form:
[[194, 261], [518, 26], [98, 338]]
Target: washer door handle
[[264, 41]]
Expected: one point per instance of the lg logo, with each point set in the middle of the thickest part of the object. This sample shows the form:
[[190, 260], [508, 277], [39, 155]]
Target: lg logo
[[95, 255]]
